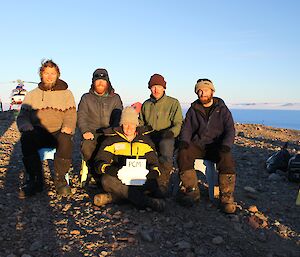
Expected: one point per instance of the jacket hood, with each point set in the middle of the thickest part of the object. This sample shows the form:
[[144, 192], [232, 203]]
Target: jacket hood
[[59, 85]]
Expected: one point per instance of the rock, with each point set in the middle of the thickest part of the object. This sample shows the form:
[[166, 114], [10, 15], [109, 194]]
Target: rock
[[11, 255], [146, 235], [238, 227], [262, 237], [241, 134], [253, 209], [183, 245], [75, 232], [274, 177], [188, 225], [35, 246], [250, 189], [217, 240]]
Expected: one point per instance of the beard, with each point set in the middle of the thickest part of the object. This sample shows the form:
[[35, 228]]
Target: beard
[[48, 86], [206, 99]]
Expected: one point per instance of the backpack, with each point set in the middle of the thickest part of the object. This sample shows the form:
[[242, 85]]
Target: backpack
[[294, 169], [279, 160]]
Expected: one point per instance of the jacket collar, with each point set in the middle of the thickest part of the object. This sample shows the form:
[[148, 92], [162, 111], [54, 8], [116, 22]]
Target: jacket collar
[[153, 99], [59, 85]]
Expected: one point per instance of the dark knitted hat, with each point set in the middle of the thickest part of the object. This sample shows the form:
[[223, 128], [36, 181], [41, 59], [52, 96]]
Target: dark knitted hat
[[100, 74], [157, 79]]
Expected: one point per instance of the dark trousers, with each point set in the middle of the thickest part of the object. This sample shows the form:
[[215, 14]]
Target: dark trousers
[[224, 160], [135, 194], [164, 148], [32, 141]]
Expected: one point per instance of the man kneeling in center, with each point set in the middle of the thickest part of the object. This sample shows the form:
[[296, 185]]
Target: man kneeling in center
[[128, 142]]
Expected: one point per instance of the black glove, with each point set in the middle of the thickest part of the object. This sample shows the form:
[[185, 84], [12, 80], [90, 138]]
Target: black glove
[[100, 130], [183, 145], [112, 171], [224, 149], [152, 174], [168, 134]]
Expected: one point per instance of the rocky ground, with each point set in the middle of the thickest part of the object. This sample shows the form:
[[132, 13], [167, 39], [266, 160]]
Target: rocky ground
[[267, 222]]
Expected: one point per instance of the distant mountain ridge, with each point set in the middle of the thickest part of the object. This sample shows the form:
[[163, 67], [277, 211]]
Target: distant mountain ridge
[[249, 105], [264, 106]]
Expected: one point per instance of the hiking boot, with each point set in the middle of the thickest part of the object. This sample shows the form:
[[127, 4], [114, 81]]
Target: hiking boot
[[61, 168], [63, 190], [34, 183], [227, 183], [103, 199], [155, 204], [189, 192], [164, 179]]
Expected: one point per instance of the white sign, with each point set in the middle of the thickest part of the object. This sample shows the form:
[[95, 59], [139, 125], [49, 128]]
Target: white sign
[[136, 163], [134, 173]]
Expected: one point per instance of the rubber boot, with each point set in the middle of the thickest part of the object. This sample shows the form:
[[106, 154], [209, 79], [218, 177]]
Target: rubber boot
[[164, 179], [61, 168], [226, 184], [34, 181], [189, 192], [103, 199], [142, 201]]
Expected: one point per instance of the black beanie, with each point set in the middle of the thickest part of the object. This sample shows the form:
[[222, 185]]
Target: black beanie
[[100, 74]]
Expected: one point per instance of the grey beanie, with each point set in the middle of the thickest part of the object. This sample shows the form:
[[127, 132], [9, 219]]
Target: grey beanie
[[129, 115]]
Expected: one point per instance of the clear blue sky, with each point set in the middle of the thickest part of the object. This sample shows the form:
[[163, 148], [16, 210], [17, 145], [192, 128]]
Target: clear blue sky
[[249, 49]]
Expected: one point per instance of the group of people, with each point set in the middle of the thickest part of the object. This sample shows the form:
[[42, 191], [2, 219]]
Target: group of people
[[112, 134]]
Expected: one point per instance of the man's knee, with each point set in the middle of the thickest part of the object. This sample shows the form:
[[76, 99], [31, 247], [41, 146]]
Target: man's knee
[[226, 165], [108, 182], [113, 185], [166, 150], [64, 146], [87, 149]]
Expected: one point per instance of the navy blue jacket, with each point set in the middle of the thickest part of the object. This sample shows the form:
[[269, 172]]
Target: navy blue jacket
[[217, 129]]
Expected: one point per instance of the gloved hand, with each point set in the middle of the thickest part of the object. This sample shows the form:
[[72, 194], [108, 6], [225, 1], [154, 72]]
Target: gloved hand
[[112, 171], [152, 175], [26, 127], [224, 149], [183, 145], [168, 134]]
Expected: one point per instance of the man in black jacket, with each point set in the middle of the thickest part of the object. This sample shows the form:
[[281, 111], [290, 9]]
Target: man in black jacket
[[208, 133]]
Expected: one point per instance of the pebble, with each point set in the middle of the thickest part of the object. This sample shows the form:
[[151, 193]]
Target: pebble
[[253, 208], [217, 240], [274, 177], [183, 245], [249, 189], [146, 235], [35, 246]]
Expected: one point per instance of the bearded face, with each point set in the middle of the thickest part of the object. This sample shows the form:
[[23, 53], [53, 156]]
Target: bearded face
[[49, 77], [205, 95]]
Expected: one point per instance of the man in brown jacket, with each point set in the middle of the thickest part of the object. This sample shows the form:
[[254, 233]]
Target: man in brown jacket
[[47, 119]]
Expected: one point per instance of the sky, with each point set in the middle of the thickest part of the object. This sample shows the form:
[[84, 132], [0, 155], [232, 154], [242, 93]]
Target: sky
[[249, 49]]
